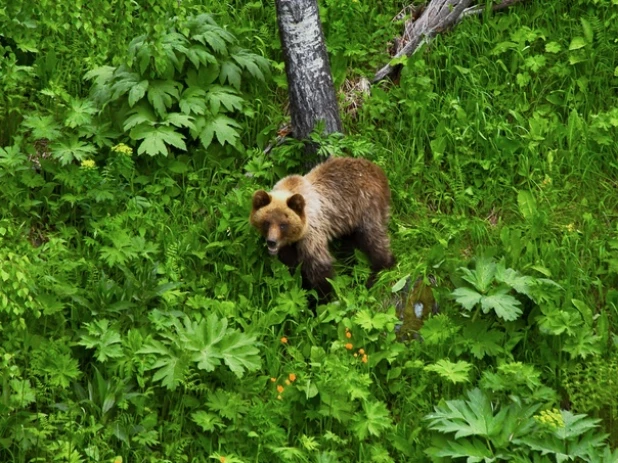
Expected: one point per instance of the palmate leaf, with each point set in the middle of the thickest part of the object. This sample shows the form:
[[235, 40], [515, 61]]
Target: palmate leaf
[[480, 340], [193, 101], [73, 149], [137, 92], [467, 297], [453, 372], [216, 37], [472, 417], [218, 96], [198, 55], [105, 340], [379, 320], [254, 64], [240, 353], [576, 440], [156, 139], [482, 276], [124, 80], [80, 113], [201, 338], [211, 342], [222, 127], [503, 304], [101, 75], [140, 114], [42, 127], [374, 421], [162, 94], [179, 120], [171, 369], [523, 284], [230, 72], [583, 343], [227, 404], [207, 421], [475, 450]]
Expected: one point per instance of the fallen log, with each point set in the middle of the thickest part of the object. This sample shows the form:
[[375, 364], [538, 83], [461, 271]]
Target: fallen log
[[437, 17]]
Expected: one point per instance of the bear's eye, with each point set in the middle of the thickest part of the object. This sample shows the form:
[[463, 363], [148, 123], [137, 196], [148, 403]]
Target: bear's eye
[[266, 226], [283, 227]]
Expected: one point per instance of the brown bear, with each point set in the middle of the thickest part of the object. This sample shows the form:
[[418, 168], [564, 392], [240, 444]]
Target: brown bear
[[340, 198]]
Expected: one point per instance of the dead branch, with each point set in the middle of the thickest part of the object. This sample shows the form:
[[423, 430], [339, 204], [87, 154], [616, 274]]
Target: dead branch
[[439, 16]]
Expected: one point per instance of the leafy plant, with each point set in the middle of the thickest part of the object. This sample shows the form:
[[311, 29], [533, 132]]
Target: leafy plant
[[179, 82], [491, 286], [479, 431]]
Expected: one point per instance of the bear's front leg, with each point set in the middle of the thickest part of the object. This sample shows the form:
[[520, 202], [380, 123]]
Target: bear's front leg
[[316, 267]]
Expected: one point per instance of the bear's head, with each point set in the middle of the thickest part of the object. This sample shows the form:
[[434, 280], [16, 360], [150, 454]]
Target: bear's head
[[279, 217]]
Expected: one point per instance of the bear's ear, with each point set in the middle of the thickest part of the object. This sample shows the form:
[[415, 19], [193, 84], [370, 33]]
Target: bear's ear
[[297, 204], [260, 199]]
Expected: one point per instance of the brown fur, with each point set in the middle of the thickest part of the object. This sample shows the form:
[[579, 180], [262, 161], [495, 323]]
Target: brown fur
[[340, 197]]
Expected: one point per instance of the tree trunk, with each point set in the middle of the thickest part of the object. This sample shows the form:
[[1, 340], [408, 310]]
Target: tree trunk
[[310, 84]]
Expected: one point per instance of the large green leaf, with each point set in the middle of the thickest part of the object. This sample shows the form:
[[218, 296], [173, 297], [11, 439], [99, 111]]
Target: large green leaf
[[137, 92], [223, 128], [72, 150], [80, 113], [218, 96], [156, 139], [482, 276], [467, 297], [453, 372], [162, 94], [523, 284], [211, 341], [374, 421], [171, 368], [474, 417], [230, 72], [502, 303], [140, 114]]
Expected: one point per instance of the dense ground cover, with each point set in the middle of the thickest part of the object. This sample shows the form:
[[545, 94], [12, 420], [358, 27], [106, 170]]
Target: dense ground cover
[[141, 318]]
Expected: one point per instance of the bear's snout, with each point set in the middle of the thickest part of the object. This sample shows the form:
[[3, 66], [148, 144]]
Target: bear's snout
[[272, 247]]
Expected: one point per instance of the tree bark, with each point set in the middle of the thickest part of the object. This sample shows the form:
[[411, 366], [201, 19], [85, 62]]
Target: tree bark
[[437, 17], [310, 84]]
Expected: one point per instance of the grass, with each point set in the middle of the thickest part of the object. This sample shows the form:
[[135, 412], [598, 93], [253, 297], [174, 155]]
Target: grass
[[498, 141]]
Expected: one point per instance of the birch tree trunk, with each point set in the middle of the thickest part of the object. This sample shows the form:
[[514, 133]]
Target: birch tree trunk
[[310, 84]]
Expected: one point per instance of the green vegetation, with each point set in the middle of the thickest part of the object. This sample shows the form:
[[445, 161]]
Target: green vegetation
[[142, 320]]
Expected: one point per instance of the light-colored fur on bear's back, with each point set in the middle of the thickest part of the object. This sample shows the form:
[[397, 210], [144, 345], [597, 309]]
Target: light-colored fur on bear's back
[[340, 194]]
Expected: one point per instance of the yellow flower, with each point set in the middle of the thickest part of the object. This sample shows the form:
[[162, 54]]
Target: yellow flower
[[88, 164], [551, 418], [121, 148], [280, 388], [292, 377], [349, 346], [348, 334], [284, 340]]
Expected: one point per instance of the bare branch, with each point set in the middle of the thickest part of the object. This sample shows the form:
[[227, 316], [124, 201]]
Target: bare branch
[[478, 9], [439, 16]]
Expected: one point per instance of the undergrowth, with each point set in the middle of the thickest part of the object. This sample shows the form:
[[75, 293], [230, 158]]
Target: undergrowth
[[142, 320]]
